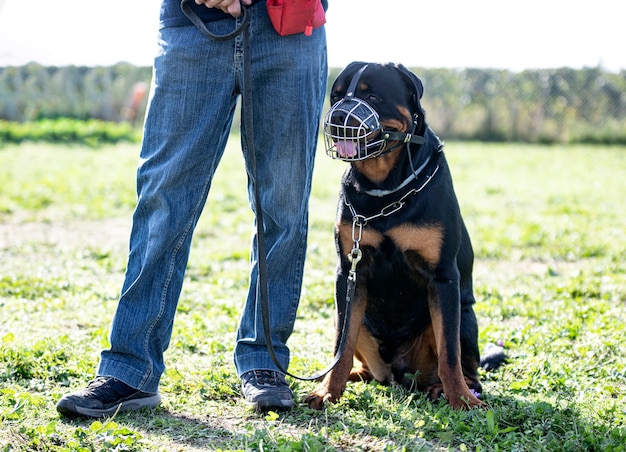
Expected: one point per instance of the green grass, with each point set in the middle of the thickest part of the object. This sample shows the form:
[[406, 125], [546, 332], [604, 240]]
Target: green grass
[[549, 230]]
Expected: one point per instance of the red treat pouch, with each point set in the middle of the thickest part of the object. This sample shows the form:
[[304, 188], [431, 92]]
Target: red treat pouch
[[290, 17]]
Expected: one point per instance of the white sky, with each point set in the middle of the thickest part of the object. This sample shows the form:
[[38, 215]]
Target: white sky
[[437, 33]]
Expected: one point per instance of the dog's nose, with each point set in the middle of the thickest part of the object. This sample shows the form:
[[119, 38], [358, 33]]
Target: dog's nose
[[338, 118]]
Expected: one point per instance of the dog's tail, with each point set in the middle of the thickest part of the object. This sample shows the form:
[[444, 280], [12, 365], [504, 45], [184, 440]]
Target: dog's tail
[[492, 357]]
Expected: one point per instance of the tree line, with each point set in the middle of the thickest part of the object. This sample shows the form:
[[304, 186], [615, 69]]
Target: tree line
[[561, 105]]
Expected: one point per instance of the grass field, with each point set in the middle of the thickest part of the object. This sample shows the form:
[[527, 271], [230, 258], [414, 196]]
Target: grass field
[[548, 226]]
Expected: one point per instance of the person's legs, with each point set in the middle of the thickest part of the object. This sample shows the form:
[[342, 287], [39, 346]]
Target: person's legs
[[194, 92], [186, 128], [185, 134], [288, 84]]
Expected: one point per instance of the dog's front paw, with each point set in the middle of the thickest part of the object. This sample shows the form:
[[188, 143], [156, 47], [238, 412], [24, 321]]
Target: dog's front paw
[[320, 396], [465, 401], [434, 391], [459, 400], [315, 401]]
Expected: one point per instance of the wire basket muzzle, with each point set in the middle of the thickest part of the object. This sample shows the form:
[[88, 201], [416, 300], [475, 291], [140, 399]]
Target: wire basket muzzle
[[352, 131]]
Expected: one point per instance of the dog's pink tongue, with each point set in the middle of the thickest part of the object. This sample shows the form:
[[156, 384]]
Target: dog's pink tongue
[[347, 149]]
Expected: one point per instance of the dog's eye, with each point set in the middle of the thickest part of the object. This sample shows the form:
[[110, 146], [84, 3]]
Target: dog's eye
[[373, 98]]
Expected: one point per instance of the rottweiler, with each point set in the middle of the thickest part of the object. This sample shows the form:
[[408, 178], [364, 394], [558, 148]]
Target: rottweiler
[[405, 256]]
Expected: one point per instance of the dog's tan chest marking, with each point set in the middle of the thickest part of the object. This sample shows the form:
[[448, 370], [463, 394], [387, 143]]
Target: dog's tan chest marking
[[424, 240], [369, 237]]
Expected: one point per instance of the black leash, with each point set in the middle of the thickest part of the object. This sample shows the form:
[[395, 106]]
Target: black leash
[[260, 236], [193, 17]]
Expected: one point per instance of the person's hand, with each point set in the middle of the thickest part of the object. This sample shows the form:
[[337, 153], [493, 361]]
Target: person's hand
[[232, 7]]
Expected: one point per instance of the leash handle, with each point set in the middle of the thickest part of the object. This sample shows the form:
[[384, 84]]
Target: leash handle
[[193, 17]]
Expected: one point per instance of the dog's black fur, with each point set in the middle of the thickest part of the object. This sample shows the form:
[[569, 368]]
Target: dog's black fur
[[412, 320]]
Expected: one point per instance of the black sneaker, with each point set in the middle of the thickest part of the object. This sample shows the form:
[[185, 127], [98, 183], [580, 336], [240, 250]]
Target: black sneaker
[[102, 397], [266, 390]]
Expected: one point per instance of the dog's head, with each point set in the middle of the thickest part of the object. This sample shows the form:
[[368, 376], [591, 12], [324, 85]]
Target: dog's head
[[375, 109]]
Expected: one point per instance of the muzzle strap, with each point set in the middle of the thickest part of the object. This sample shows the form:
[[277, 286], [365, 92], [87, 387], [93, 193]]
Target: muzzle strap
[[404, 137], [353, 83]]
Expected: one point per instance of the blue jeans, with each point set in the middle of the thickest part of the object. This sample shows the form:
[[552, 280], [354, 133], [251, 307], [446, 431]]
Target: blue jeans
[[194, 91]]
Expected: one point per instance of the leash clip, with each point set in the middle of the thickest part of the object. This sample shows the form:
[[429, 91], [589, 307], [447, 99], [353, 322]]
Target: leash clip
[[354, 257]]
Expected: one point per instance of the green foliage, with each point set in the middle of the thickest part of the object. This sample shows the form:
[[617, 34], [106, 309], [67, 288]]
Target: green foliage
[[91, 132], [538, 106], [547, 224], [560, 105], [545, 106], [44, 361], [107, 436], [112, 93]]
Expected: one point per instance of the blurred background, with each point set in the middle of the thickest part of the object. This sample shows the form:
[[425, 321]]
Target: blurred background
[[539, 71]]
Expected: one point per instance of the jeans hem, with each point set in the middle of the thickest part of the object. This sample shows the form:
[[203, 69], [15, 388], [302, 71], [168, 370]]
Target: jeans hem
[[260, 360], [140, 381]]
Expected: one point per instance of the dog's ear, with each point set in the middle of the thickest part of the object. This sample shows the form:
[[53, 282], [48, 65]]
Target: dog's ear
[[418, 91], [415, 81]]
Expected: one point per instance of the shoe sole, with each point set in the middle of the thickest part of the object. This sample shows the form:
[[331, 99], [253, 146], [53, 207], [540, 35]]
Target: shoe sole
[[261, 406], [69, 409]]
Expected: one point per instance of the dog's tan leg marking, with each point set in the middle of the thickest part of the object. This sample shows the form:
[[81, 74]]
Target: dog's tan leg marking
[[367, 355], [424, 240], [450, 372], [334, 383], [427, 242], [360, 372]]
